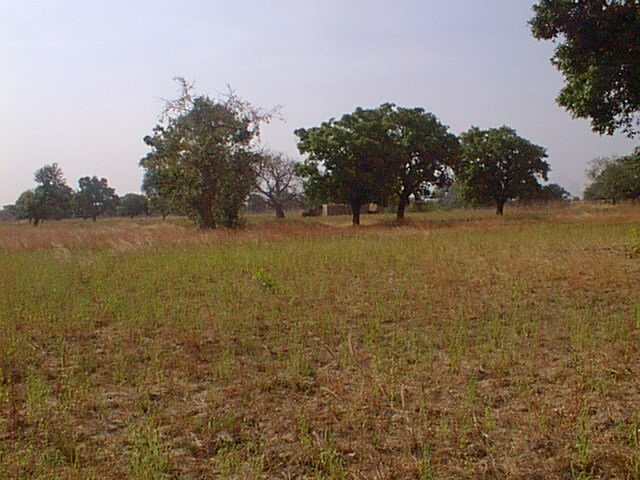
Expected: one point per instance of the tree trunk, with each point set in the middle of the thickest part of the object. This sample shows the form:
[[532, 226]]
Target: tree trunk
[[279, 210], [355, 211], [500, 207], [402, 205], [95, 217], [205, 211]]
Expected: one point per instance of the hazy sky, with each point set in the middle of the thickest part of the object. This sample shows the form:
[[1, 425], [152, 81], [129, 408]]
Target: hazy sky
[[82, 82]]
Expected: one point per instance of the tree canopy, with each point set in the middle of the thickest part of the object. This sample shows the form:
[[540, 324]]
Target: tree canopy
[[276, 180], [202, 156], [132, 204], [552, 193], [598, 52], [424, 152], [51, 199], [94, 197], [498, 165], [371, 155], [347, 160]]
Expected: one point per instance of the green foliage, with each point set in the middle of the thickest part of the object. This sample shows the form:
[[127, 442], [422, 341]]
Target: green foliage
[[131, 205], [598, 52], [555, 193], [348, 159], [266, 281], [202, 159], [550, 193], [26, 206], [424, 153], [614, 179], [94, 197], [498, 165], [51, 199], [371, 155]]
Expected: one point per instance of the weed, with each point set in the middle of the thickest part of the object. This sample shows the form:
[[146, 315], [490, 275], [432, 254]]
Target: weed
[[325, 459], [229, 460], [426, 470], [581, 469], [265, 280], [225, 364], [148, 458], [65, 442], [37, 391], [327, 462]]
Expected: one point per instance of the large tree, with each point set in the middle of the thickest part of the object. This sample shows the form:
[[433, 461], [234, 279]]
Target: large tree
[[51, 199], [498, 165], [348, 160], [276, 180], [202, 156], [424, 152], [94, 197], [598, 52]]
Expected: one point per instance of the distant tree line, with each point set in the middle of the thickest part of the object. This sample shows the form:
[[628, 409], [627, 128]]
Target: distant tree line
[[205, 162], [614, 179], [54, 199]]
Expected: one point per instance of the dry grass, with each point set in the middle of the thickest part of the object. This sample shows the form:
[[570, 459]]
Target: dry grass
[[458, 345], [126, 235]]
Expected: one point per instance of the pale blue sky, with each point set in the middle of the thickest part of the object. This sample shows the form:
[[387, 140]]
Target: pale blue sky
[[81, 82]]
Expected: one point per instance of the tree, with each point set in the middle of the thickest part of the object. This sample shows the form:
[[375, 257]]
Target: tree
[[553, 193], [9, 213], [94, 197], [348, 160], [497, 165], [547, 193], [158, 197], [614, 179], [26, 206], [276, 180], [51, 199], [370, 155], [598, 52], [424, 152], [132, 204], [202, 156]]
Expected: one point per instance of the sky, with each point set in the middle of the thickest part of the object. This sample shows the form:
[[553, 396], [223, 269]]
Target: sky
[[82, 82]]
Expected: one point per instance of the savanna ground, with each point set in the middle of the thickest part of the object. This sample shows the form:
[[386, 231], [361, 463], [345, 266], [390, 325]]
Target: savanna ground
[[459, 345]]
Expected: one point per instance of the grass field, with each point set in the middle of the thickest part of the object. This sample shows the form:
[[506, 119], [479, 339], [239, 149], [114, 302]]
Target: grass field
[[459, 345]]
